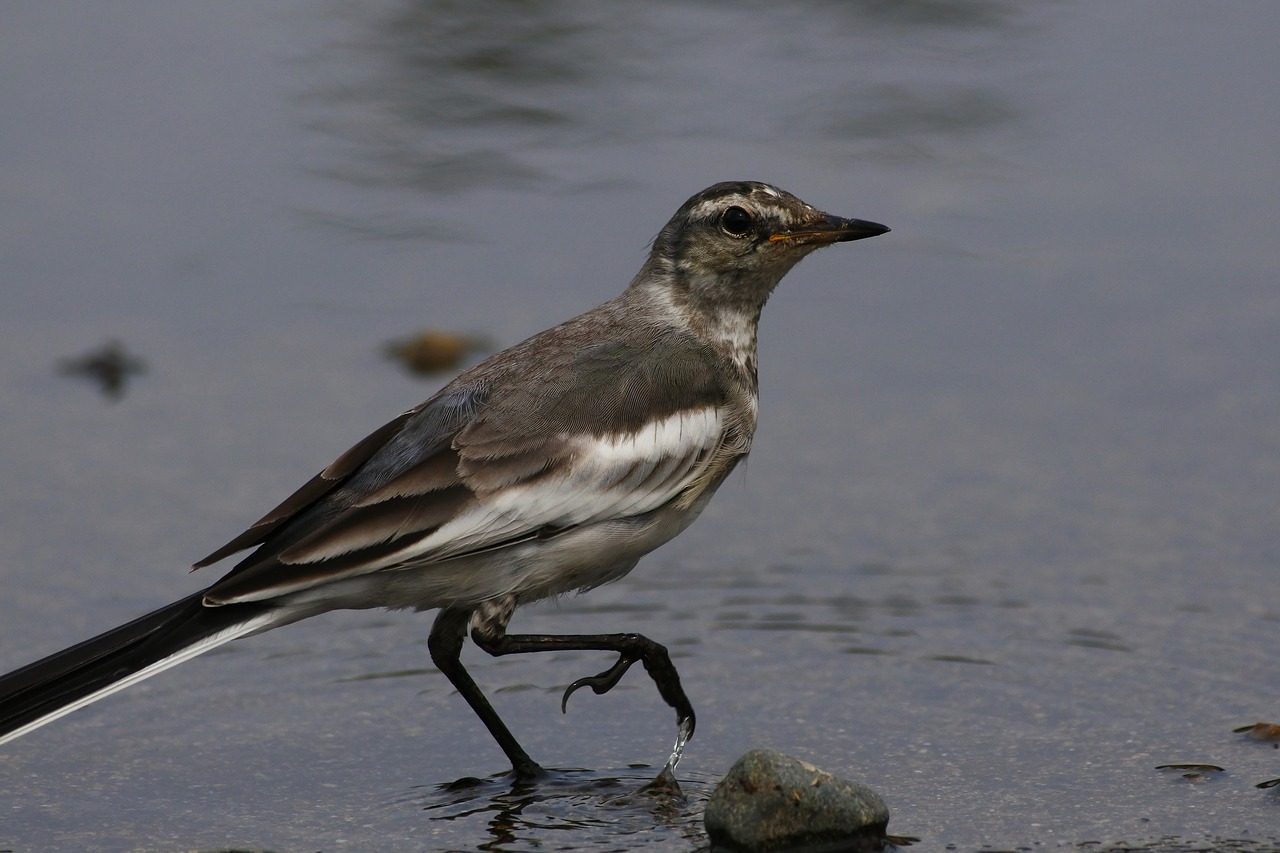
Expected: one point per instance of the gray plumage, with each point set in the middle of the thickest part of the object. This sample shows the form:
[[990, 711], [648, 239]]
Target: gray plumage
[[551, 467]]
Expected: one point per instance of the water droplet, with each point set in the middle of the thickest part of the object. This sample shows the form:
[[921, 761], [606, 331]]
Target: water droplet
[[683, 730]]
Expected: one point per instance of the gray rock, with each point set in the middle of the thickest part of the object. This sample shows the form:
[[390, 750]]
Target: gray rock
[[772, 802]]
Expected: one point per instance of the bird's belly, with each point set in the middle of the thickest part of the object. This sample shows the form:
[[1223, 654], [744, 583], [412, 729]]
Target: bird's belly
[[575, 560]]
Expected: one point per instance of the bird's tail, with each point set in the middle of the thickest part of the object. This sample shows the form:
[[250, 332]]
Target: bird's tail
[[70, 679]]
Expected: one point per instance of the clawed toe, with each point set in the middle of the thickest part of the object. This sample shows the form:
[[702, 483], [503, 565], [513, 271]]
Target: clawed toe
[[599, 684]]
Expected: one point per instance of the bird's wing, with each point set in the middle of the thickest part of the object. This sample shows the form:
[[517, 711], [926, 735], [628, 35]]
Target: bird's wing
[[312, 491], [614, 431]]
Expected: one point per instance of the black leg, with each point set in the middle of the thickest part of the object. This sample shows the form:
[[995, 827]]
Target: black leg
[[445, 644], [630, 648]]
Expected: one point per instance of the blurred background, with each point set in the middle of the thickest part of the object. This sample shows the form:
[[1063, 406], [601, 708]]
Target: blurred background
[[1007, 541]]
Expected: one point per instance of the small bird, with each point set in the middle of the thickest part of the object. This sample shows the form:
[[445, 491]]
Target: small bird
[[549, 468]]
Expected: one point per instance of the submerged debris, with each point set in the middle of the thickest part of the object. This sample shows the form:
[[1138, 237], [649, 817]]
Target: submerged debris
[[110, 366], [432, 351], [1194, 771], [1260, 731]]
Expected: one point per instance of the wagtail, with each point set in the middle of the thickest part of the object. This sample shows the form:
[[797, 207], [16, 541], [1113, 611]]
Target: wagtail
[[549, 468]]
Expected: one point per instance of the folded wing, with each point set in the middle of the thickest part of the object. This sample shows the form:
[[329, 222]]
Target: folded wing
[[477, 468]]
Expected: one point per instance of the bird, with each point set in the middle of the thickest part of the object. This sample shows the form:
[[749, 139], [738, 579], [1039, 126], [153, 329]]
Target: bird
[[549, 468]]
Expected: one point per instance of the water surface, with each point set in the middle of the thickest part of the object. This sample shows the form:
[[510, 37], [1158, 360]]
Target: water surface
[[1007, 540]]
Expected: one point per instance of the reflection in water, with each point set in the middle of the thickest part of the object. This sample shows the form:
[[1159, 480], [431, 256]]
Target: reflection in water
[[444, 98], [595, 807], [448, 97]]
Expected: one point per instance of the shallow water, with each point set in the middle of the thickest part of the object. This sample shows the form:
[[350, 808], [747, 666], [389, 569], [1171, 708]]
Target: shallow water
[[1007, 540]]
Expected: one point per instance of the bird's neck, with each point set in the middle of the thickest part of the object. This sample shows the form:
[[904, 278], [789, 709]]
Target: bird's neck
[[734, 333], [730, 327]]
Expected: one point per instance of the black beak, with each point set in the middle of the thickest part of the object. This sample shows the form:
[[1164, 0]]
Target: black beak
[[832, 229]]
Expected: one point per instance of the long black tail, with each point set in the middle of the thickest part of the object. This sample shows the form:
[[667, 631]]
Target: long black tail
[[70, 679]]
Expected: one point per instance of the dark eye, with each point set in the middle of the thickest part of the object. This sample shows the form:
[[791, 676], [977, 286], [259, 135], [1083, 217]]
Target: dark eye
[[736, 221]]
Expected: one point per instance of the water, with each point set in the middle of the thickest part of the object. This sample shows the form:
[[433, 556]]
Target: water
[[684, 730], [1007, 540]]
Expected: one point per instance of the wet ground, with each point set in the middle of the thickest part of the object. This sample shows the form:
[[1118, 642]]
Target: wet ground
[[1007, 542]]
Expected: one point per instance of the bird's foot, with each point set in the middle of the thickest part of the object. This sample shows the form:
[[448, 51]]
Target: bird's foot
[[599, 684], [658, 664]]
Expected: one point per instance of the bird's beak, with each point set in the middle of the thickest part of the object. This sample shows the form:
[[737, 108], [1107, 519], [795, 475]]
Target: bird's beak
[[829, 229]]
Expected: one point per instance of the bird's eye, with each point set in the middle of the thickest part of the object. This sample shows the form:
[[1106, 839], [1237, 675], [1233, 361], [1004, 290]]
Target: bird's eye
[[736, 221]]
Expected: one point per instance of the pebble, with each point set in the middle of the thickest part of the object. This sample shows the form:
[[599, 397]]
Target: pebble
[[771, 802]]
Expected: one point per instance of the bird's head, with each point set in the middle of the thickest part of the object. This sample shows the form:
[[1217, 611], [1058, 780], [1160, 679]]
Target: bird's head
[[729, 245]]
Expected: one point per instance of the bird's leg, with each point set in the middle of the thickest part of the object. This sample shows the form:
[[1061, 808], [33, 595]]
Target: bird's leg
[[448, 633], [489, 632]]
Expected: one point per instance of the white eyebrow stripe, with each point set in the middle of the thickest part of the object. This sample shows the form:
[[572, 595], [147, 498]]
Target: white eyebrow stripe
[[710, 208]]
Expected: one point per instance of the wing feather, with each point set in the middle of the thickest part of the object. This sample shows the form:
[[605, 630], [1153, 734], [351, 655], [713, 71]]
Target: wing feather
[[495, 459], [313, 490]]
